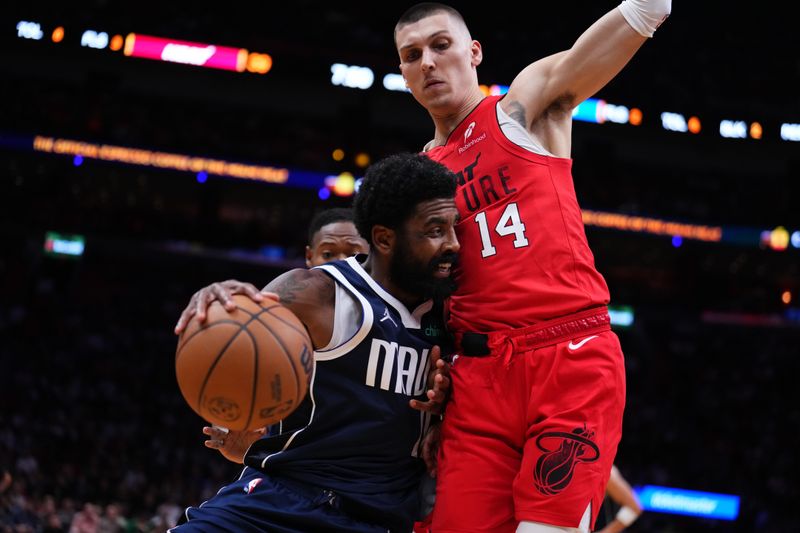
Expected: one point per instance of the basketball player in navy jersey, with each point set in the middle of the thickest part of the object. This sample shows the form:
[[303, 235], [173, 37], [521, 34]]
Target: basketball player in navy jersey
[[348, 459]]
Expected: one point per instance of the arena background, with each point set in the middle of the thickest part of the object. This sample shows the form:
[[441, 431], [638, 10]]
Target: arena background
[[695, 231]]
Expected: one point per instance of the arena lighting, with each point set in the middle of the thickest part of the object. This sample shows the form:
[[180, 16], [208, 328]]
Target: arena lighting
[[202, 167], [166, 160], [688, 502], [116, 43], [58, 34], [795, 239], [674, 122], [621, 315], [29, 30], [93, 39], [342, 185], [352, 76], [790, 132], [589, 111], [493, 90], [362, 160], [63, 245], [185, 52], [618, 114], [395, 82], [653, 226], [733, 129], [600, 111], [259, 63], [777, 239]]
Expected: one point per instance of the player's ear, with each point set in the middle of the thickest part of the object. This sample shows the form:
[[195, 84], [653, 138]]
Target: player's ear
[[476, 51], [309, 255], [383, 239]]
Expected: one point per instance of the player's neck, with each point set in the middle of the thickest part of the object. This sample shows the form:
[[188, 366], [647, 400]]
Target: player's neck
[[445, 121]]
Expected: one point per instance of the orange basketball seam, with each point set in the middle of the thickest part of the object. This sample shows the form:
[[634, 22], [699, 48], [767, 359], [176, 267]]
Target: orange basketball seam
[[286, 353], [242, 327], [263, 309], [255, 374], [303, 332], [201, 329]]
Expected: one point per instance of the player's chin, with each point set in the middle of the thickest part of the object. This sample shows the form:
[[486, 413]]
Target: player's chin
[[442, 287]]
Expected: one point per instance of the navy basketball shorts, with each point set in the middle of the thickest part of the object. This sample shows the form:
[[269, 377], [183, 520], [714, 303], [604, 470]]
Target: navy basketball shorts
[[257, 502]]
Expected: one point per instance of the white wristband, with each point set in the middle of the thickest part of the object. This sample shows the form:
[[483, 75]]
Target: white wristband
[[626, 516], [645, 16]]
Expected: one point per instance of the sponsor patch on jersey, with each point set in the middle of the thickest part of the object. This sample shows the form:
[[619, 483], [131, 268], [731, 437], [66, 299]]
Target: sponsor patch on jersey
[[471, 143], [469, 131]]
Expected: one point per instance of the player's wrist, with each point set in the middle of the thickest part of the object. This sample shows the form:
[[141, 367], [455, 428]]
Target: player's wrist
[[626, 515], [645, 16]]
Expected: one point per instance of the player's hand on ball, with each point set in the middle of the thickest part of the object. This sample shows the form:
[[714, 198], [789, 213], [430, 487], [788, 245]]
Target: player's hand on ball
[[222, 291], [438, 385], [231, 444]]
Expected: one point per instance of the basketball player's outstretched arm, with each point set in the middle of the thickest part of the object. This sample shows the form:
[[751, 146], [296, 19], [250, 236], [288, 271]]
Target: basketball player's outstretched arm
[[561, 81], [311, 296]]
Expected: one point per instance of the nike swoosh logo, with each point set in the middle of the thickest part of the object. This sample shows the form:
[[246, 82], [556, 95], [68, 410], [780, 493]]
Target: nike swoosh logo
[[572, 346]]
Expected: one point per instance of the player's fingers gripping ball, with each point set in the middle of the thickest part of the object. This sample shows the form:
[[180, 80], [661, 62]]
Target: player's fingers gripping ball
[[244, 369]]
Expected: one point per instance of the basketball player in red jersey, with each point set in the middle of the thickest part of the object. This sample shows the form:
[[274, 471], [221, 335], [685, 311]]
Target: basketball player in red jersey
[[538, 384]]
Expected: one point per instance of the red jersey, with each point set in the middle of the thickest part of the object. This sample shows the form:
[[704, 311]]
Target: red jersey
[[524, 256]]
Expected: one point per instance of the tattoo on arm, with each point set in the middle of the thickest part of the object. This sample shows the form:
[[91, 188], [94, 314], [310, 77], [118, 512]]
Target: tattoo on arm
[[294, 286], [302, 286], [517, 112]]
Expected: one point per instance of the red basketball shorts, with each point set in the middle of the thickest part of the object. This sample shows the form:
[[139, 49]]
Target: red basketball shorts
[[532, 425]]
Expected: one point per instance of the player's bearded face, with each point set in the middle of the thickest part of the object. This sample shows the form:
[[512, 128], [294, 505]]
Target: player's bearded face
[[417, 275]]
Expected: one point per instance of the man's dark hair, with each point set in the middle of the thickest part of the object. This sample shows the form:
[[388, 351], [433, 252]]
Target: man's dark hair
[[328, 216], [394, 186], [423, 10]]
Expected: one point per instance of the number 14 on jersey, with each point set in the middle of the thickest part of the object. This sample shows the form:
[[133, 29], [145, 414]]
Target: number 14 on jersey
[[509, 224]]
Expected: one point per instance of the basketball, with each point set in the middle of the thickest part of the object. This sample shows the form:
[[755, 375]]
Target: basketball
[[245, 369]]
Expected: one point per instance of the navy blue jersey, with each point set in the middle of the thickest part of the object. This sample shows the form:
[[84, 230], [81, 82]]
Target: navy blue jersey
[[355, 433]]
